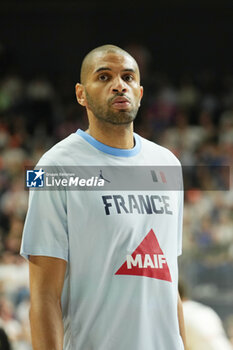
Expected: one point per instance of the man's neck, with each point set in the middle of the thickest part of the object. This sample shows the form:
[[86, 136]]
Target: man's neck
[[117, 136]]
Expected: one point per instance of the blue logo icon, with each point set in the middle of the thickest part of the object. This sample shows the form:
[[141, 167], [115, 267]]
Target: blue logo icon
[[35, 178]]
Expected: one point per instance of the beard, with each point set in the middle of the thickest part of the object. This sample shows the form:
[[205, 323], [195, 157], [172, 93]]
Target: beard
[[107, 114]]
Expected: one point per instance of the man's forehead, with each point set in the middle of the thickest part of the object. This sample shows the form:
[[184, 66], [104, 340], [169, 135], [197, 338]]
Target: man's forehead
[[113, 59]]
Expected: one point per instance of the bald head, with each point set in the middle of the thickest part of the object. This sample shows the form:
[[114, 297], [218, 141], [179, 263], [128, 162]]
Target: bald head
[[101, 50]]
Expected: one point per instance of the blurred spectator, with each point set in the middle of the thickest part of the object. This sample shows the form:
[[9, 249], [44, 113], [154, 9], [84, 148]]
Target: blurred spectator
[[204, 329], [11, 92], [8, 322], [226, 127], [188, 95]]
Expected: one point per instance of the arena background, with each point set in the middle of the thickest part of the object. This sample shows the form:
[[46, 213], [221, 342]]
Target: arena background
[[185, 55]]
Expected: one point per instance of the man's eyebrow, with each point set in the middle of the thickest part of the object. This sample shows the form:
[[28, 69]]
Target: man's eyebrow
[[109, 69], [129, 70], [101, 69]]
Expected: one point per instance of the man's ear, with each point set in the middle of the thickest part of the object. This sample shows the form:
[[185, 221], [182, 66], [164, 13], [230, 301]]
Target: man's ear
[[80, 94], [141, 94]]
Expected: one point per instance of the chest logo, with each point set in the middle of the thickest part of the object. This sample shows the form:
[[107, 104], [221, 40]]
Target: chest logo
[[147, 260]]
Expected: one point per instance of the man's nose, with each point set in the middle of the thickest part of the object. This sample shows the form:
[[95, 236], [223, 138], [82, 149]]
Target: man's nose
[[119, 85]]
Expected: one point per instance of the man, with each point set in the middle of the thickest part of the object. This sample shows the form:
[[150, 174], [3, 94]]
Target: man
[[103, 265]]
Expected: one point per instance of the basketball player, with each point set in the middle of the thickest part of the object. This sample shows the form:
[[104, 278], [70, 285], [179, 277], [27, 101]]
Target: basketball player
[[103, 265]]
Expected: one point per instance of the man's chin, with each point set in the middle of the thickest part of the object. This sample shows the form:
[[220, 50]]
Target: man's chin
[[113, 122], [120, 121], [123, 117]]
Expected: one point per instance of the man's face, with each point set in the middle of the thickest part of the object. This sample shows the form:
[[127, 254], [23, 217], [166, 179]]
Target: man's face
[[112, 88]]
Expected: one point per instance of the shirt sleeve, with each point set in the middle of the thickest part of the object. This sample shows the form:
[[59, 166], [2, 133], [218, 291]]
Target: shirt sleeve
[[45, 229]]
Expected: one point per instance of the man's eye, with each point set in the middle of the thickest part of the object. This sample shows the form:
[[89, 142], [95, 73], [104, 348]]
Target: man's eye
[[128, 77], [103, 77]]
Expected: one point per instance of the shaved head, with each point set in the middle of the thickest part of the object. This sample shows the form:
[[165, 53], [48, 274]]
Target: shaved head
[[110, 86], [104, 49]]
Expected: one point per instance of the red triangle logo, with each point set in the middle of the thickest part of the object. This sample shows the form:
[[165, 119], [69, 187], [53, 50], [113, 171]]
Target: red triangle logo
[[147, 260]]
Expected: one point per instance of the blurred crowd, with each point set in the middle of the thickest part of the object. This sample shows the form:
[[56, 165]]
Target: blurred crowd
[[191, 114]]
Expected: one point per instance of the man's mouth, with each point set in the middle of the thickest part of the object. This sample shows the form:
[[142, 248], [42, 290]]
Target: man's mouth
[[121, 103]]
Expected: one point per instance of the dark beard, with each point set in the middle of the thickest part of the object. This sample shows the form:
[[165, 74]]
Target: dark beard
[[119, 117]]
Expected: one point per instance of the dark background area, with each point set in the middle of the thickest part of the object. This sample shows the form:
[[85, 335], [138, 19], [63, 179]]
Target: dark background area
[[51, 38]]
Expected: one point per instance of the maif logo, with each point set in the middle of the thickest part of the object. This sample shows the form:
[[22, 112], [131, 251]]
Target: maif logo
[[35, 178], [147, 260]]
